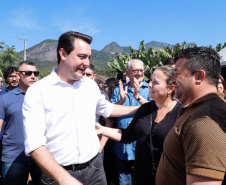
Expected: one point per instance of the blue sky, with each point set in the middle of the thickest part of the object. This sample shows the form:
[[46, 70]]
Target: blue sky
[[126, 22]]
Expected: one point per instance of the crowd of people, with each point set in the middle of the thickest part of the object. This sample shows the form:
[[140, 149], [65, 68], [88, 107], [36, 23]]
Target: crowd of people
[[168, 131]]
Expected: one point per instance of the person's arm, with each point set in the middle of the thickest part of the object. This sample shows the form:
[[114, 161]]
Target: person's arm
[[122, 93], [112, 133], [196, 180], [121, 110], [2, 113], [104, 139], [141, 99], [127, 135], [48, 164], [115, 110], [1, 124]]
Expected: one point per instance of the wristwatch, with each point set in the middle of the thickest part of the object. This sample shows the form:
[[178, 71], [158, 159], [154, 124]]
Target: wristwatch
[[139, 98]]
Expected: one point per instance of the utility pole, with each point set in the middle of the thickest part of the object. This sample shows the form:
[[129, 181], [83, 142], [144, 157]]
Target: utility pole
[[24, 47]]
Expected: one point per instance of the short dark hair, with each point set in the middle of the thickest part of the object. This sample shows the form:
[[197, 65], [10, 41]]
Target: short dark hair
[[66, 41], [26, 62], [202, 58], [91, 67], [99, 81], [111, 83], [120, 76], [9, 70], [169, 61]]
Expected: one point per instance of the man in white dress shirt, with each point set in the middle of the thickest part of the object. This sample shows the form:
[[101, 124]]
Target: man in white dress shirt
[[59, 118]]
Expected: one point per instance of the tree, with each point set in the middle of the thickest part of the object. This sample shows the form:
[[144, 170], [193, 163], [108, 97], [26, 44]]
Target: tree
[[1, 45], [173, 50], [1, 48], [8, 56], [152, 59], [1, 73], [220, 46]]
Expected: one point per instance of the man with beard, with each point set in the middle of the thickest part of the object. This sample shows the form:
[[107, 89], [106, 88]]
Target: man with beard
[[194, 151]]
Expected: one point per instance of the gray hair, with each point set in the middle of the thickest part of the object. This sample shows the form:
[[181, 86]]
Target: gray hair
[[128, 65], [168, 71]]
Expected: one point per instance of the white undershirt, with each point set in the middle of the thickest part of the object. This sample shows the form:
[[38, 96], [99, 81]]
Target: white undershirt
[[61, 116]]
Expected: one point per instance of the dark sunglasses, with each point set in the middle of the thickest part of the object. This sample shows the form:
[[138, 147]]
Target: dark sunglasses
[[29, 73]]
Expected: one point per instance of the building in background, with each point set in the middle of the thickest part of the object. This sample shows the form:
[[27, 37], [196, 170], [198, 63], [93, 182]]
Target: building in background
[[222, 53]]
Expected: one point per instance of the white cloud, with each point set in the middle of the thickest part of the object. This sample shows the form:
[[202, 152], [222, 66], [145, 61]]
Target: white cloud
[[81, 26], [25, 19]]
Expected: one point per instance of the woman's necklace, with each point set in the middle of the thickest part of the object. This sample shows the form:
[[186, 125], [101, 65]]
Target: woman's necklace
[[159, 113]]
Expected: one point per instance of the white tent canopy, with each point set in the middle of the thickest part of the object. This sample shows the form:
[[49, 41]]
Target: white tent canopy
[[222, 53]]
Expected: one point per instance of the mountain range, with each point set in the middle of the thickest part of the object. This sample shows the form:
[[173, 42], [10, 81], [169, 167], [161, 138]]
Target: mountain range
[[45, 51]]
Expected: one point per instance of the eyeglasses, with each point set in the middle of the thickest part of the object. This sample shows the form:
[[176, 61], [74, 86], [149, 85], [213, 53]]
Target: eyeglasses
[[29, 73], [137, 71]]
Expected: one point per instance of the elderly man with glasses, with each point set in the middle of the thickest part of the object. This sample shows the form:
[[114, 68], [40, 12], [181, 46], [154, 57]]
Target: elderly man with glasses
[[15, 164], [134, 93]]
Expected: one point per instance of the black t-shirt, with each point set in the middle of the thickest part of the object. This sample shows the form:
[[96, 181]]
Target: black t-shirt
[[139, 130]]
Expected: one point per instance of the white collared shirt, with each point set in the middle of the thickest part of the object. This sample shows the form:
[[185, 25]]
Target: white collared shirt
[[61, 116]]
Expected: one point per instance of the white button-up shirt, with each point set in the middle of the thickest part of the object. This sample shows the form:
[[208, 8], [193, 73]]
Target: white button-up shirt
[[61, 116]]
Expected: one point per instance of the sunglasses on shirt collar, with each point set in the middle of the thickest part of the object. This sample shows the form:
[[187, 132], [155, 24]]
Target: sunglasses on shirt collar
[[29, 73]]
